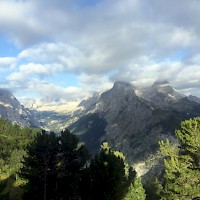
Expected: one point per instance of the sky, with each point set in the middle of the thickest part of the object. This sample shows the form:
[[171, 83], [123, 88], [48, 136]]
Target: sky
[[67, 49]]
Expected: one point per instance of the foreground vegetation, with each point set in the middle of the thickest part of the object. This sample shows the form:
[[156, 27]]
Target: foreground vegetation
[[182, 163], [13, 143], [39, 165]]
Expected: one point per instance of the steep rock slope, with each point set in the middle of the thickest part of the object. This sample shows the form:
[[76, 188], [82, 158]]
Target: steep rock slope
[[161, 94], [134, 123], [14, 112]]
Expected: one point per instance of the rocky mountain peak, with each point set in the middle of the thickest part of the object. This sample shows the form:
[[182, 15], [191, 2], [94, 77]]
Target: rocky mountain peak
[[194, 99], [14, 112], [118, 91], [162, 93], [121, 88], [131, 123], [163, 87], [161, 84], [122, 84], [7, 99], [4, 92]]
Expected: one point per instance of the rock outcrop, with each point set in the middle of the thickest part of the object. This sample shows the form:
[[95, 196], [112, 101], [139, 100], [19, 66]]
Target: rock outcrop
[[14, 112], [133, 120]]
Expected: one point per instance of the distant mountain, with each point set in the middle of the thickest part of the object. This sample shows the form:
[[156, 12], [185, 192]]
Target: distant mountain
[[14, 112], [133, 120], [161, 94], [194, 99], [90, 102], [56, 116]]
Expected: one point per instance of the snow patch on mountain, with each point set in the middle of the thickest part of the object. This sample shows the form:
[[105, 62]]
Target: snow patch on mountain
[[5, 104]]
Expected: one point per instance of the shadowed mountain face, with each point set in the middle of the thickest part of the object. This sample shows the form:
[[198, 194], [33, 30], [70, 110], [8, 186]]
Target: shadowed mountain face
[[132, 120], [134, 123], [14, 112]]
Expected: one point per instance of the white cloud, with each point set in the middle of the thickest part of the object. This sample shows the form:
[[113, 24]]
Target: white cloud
[[94, 83], [7, 62], [18, 21], [34, 70], [132, 40], [52, 92], [16, 76]]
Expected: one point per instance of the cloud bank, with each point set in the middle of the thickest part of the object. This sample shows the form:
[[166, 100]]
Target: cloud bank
[[99, 42]]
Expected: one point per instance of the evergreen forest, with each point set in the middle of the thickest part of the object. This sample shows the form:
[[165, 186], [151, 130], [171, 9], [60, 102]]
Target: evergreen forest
[[35, 164]]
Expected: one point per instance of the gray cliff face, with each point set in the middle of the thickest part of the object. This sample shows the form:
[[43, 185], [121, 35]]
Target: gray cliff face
[[125, 114], [161, 94], [122, 108], [14, 112], [134, 124], [194, 99]]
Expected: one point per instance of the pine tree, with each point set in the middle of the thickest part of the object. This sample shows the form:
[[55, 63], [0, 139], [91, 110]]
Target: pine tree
[[136, 191], [52, 166], [72, 159], [38, 168], [108, 177], [182, 163]]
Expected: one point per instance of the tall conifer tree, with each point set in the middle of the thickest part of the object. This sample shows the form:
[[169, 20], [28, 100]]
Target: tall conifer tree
[[108, 177], [52, 166], [182, 163]]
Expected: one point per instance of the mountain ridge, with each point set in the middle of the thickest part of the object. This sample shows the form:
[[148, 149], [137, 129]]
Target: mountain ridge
[[121, 115], [135, 123], [14, 112], [130, 119]]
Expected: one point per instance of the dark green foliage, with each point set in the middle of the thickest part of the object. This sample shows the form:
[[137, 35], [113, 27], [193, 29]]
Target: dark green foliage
[[9, 190], [3, 195], [108, 177], [153, 189], [182, 163], [136, 191], [38, 166], [53, 167], [13, 141], [72, 159]]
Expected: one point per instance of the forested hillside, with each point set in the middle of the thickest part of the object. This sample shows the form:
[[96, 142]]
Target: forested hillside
[[13, 142], [35, 164]]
